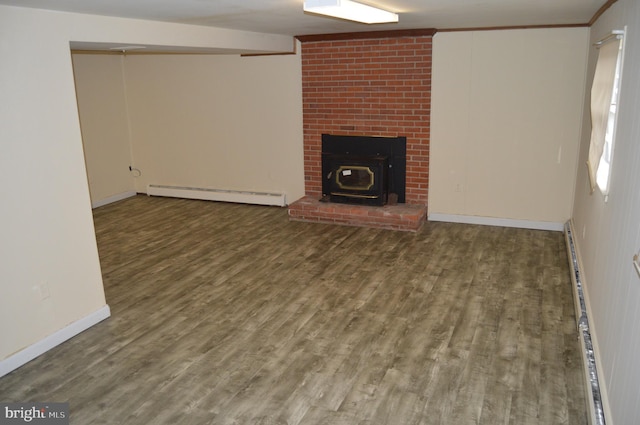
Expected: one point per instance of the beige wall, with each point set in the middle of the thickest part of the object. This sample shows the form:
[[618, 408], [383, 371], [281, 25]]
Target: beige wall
[[505, 123], [222, 122], [607, 234], [47, 229], [100, 90], [47, 236], [212, 121]]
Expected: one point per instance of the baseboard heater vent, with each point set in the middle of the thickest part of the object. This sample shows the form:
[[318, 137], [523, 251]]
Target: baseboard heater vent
[[594, 398], [238, 196]]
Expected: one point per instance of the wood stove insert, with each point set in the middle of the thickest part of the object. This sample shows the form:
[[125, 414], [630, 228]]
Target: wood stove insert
[[366, 170]]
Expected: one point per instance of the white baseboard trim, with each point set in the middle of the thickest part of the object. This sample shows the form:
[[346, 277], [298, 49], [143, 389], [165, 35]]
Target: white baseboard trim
[[31, 352], [493, 221], [112, 199]]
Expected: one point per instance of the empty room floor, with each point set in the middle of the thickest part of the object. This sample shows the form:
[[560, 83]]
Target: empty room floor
[[231, 314]]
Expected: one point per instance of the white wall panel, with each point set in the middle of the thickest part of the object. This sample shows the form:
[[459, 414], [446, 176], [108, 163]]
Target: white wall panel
[[611, 231]]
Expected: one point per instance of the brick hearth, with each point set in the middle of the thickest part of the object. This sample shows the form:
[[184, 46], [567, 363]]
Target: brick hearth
[[393, 217], [367, 84]]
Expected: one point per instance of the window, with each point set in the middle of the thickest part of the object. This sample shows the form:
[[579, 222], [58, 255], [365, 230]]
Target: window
[[604, 103]]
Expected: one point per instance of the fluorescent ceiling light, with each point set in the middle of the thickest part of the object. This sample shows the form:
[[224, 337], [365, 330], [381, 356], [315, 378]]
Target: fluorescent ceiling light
[[350, 10]]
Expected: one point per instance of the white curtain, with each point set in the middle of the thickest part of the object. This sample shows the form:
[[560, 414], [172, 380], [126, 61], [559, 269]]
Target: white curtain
[[602, 92]]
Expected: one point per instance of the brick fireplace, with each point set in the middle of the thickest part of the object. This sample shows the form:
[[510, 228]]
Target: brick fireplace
[[367, 84]]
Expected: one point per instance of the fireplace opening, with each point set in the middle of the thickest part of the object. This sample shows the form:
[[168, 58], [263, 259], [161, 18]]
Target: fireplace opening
[[367, 170]]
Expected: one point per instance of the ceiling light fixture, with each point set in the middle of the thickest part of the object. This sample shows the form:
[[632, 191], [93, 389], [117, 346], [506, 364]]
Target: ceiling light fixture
[[350, 10]]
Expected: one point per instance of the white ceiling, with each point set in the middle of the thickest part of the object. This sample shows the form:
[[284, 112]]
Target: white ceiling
[[287, 17]]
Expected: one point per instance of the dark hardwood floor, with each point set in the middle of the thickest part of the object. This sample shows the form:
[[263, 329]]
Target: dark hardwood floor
[[231, 314]]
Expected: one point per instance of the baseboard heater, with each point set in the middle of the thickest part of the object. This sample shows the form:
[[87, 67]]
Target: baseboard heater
[[237, 196], [594, 397]]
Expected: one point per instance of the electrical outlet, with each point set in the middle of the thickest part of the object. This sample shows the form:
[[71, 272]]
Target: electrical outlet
[[458, 188]]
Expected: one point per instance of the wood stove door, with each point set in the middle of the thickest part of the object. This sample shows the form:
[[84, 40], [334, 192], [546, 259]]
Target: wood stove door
[[358, 180]]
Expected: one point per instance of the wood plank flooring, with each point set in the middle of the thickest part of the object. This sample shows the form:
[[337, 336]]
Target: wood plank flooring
[[231, 314]]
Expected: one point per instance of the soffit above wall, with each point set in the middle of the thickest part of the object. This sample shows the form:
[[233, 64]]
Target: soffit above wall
[[120, 48]]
